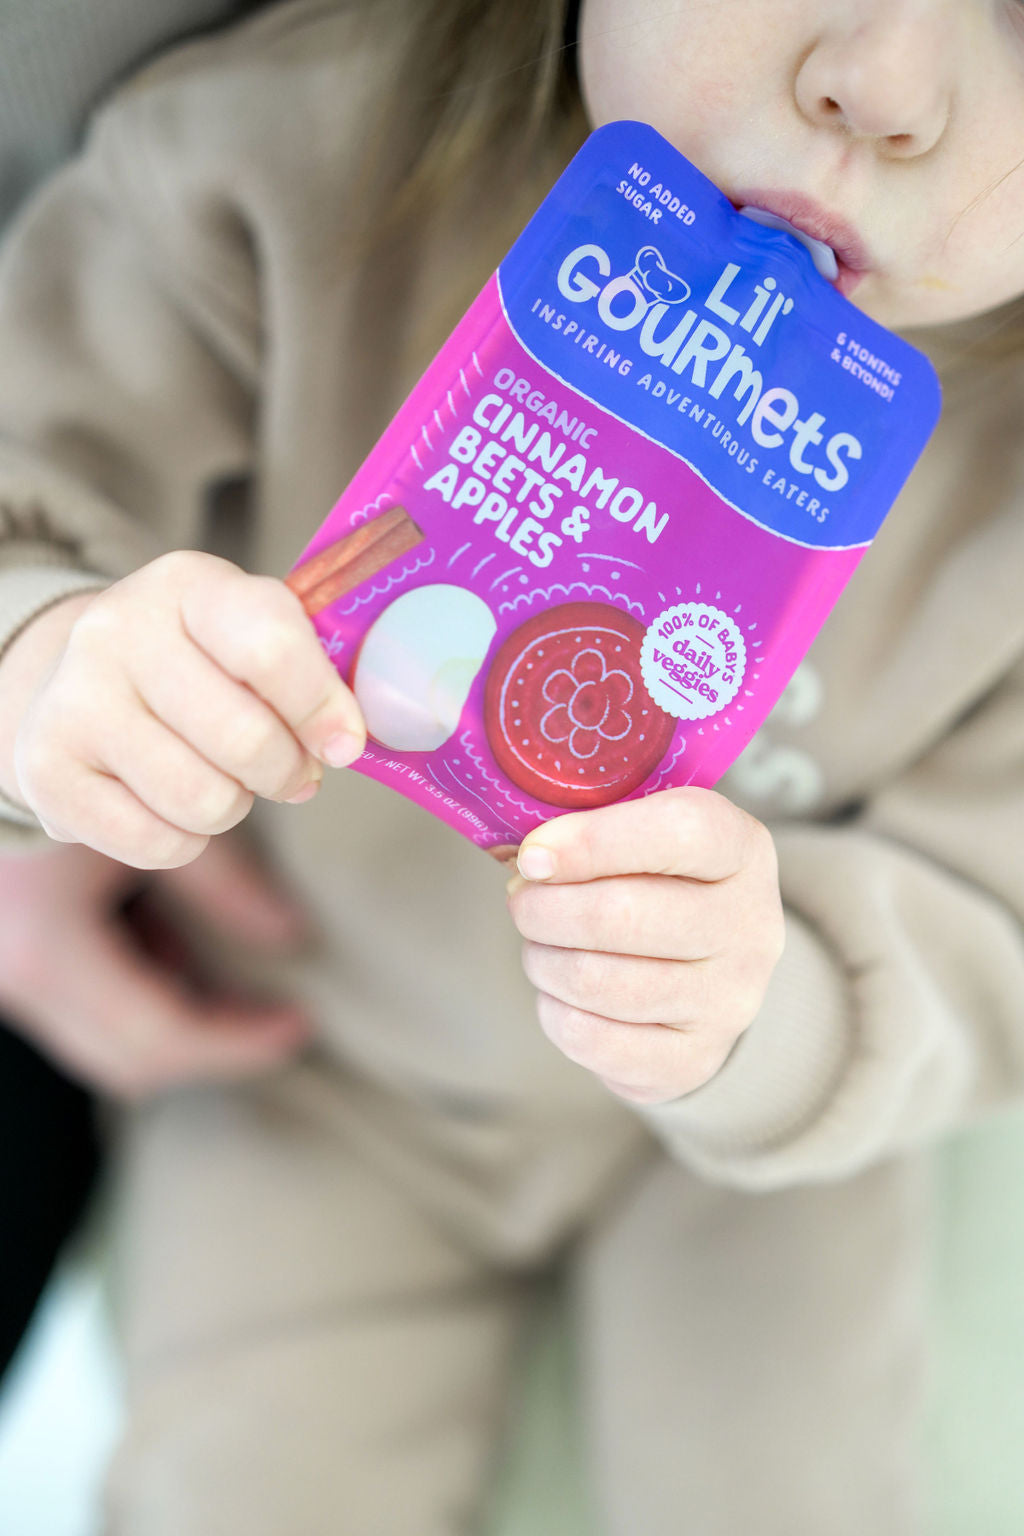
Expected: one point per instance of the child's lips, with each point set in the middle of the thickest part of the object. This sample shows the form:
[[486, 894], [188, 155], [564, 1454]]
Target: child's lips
[[848, 279], [810, 218]]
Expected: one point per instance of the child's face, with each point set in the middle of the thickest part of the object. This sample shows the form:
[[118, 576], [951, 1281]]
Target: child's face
[[902, 120]]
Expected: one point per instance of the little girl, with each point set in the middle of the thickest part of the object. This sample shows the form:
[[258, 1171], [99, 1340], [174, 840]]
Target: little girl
[[716, 1137]]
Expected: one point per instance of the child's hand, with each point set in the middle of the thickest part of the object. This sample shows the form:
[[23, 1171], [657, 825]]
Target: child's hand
[[652, 940], [115, 999], [182, 692]]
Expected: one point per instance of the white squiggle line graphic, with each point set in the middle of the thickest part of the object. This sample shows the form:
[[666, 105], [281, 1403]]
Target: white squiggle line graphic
[[485, 561], [426, 439], [465, 386], [362, 513], [456, 555], [613, 558], [466, 743], [666, 772], [512, 571], [575, 586], [476, 365], [416, 457], [440, 423], [332, 647], [462, 790], [392, 581]]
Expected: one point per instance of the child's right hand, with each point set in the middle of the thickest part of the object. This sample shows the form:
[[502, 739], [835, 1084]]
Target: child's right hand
[[181, 693]]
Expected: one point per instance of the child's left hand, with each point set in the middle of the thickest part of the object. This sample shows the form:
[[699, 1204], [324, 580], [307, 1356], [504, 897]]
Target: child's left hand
[[652, 939]]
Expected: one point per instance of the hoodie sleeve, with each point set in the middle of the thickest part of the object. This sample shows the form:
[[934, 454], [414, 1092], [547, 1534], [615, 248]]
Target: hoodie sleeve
[[128, 363], [897, 1010]]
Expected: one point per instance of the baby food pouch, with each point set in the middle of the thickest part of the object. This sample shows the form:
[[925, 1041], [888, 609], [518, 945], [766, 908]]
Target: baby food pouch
[[588, 553]]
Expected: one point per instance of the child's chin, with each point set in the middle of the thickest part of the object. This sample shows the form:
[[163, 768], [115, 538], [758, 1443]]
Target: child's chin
[[925, 302]]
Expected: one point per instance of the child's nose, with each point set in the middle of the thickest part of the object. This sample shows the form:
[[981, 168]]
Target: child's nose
[[884, 70]]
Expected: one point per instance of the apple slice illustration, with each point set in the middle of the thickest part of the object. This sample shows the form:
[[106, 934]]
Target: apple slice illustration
[[417, 663]]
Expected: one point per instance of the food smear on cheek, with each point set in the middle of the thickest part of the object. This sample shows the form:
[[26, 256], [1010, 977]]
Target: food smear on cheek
[[586, 556]]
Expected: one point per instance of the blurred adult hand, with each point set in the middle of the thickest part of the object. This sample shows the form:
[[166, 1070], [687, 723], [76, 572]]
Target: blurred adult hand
[[94, 975]]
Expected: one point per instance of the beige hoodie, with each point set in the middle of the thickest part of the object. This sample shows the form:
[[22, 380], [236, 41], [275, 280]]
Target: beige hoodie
[[175, 318]]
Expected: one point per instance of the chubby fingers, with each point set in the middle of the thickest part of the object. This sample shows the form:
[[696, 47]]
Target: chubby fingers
[[184, 690], [627, 988], [651, 932], [693, 833], [655, 916], [645, 1063], [650, 1029], [255, 629], [224, 722]]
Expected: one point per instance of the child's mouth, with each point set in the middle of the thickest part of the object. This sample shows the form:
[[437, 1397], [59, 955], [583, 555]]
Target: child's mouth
[[842, 263], [823, 256]]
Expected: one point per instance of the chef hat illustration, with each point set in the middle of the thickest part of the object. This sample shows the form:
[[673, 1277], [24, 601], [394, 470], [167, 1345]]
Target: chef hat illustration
[[653, 277]]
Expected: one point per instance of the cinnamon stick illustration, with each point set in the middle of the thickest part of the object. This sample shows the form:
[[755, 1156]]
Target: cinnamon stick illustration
[[340, 567]]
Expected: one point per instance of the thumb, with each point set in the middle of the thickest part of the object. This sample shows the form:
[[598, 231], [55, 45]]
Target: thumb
[[229, 884]]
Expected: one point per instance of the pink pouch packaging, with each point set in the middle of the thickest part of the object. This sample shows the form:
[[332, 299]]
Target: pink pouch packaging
[[586, 556]]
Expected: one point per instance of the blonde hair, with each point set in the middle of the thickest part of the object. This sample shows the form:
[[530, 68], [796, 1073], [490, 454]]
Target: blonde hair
[[473, 81], [477, 84]]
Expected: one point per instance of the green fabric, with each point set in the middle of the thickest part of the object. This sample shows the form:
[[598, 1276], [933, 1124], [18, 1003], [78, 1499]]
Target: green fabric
[[975, 1429], [542, 1486]]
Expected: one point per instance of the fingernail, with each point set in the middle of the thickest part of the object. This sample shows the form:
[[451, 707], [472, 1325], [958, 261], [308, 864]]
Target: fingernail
[[306, 793], [536, 863], [341, 750]]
